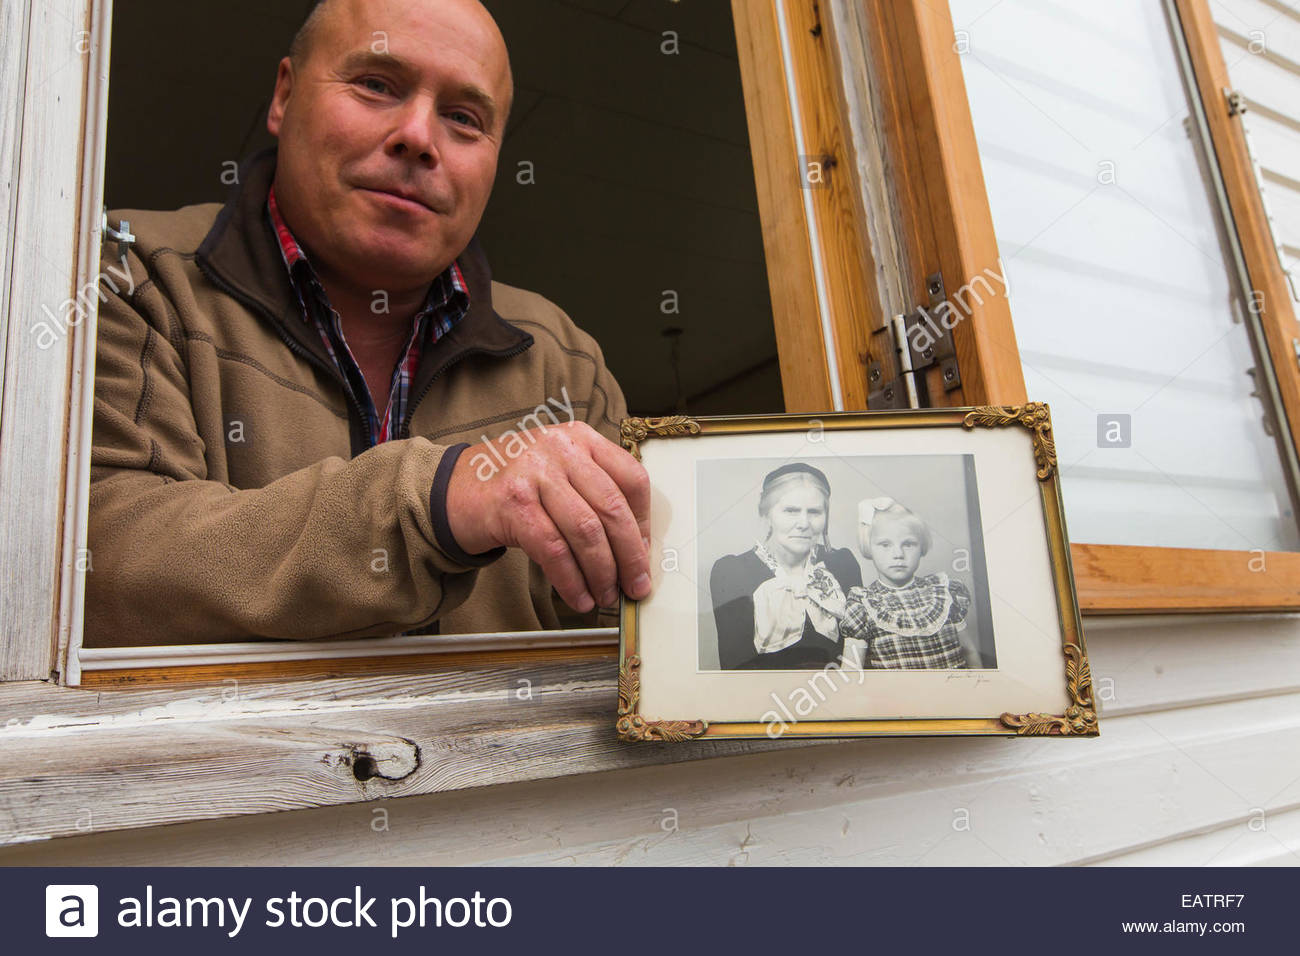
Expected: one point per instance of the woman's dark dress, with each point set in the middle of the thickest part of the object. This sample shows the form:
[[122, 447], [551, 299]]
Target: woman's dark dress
[[732, 583]]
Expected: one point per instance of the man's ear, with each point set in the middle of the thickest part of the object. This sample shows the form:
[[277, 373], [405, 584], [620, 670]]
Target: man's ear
[[280, 98]]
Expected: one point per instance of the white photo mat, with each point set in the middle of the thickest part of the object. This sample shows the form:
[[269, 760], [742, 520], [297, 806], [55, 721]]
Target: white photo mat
[[1029, 624]]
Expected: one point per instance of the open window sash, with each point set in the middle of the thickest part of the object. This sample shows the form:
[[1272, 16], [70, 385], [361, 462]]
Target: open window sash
[[946, 225]]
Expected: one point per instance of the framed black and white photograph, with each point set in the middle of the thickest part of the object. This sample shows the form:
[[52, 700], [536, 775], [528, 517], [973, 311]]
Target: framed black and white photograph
[[854, 574], [885, 551]]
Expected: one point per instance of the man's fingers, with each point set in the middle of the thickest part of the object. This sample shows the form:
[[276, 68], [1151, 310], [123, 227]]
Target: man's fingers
[[606, 499], [585, 517], [542, 541], [630, 476], [585, 532]]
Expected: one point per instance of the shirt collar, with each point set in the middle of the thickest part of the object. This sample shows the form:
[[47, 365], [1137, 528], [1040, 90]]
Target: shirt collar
[[239, 256], [450, 283]]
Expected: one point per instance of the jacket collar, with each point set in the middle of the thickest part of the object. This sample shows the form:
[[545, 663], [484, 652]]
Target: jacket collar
[[240, 256]]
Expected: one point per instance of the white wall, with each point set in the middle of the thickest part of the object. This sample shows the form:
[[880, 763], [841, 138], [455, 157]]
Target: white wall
[[1198, 762], [1261, 46]]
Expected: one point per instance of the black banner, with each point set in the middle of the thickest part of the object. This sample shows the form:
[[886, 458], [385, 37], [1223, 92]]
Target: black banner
[[654, 911]]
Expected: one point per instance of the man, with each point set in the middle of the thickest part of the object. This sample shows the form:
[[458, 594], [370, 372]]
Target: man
[[293, 396]]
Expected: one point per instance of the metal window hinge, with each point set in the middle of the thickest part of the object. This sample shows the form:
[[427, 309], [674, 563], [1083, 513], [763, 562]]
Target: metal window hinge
[[122, 235], [920, 341], [1236, 102]]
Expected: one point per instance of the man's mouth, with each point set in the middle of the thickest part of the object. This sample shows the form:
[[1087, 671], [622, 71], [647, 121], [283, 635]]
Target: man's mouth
[[405, 196]]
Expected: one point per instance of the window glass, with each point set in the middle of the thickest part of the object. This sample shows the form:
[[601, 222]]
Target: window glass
[[1127, 319]]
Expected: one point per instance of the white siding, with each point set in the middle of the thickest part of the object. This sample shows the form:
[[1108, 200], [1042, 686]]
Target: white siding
[[1261, 45], [1198, 762]]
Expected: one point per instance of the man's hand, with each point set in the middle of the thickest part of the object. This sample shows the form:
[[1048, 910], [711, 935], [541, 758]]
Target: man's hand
[[575, 502]]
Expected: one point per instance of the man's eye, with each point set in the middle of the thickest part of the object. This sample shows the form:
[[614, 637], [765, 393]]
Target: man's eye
[[375, 85], [469, 118]]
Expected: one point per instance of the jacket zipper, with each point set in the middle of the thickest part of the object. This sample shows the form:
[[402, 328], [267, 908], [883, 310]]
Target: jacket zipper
[[405, 430], [295, 348], [353, 406]]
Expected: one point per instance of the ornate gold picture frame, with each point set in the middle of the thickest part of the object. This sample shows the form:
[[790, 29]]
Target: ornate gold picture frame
[[970, 626]]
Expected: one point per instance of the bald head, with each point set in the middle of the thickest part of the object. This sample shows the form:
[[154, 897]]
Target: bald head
[[304, 41], [301, 44]]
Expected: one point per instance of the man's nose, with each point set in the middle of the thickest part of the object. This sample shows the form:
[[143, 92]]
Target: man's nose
[[416, 134]]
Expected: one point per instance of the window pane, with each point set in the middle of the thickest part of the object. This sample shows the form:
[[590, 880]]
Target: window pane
[[1127, 320], [625, 189], [642, 216]]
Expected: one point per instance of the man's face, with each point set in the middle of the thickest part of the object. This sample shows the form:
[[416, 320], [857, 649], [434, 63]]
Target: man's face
[[389, 131]]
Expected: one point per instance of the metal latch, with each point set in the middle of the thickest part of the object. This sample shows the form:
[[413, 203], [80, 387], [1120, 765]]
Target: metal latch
[[123, 236], [1236, 102], [921, 342]]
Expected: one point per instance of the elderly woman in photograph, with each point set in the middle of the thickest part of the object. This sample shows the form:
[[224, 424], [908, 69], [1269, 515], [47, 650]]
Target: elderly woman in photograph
[[779, 604]]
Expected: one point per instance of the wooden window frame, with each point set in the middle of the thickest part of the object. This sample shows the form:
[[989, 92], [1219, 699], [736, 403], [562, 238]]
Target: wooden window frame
[[820, 295], [55, 99], [327, 732], [823, 305], [946, 224], [146, 741], [821, 272]]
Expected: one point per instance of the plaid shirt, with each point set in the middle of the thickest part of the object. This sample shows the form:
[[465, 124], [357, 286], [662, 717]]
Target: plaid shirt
[[446, 304], [911, 627]]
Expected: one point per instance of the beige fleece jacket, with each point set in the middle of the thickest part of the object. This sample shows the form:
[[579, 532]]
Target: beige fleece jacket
[[230, 498]]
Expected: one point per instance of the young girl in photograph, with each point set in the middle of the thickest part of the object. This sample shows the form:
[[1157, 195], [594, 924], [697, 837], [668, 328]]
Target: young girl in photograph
[[902, 620]]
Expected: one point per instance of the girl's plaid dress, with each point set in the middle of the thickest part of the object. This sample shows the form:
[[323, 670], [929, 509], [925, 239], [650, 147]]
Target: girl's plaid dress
[[914, 626]]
